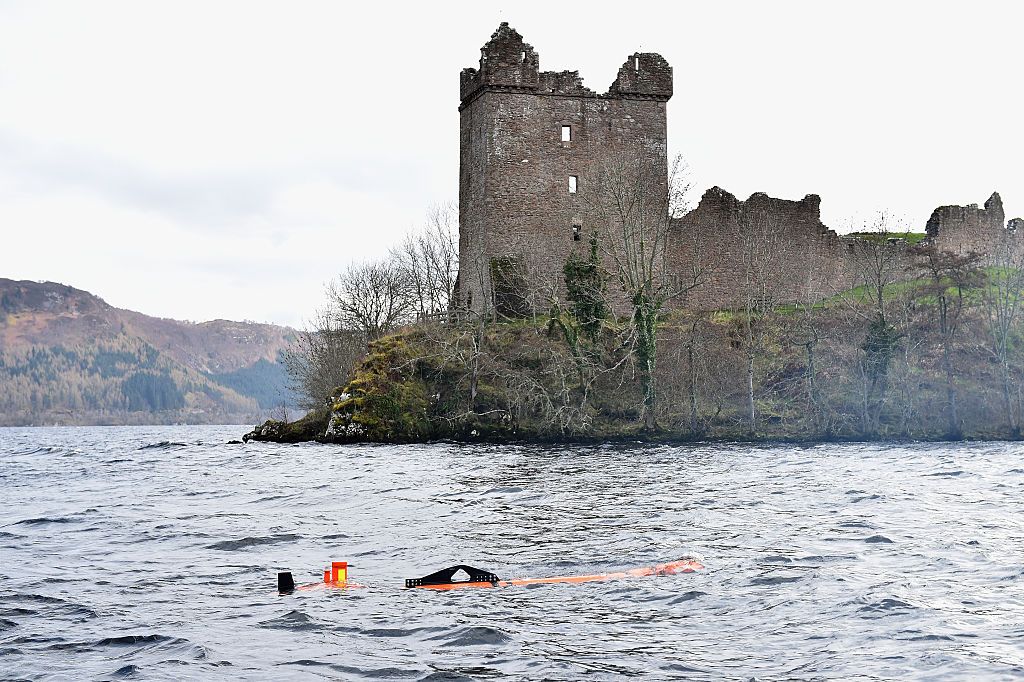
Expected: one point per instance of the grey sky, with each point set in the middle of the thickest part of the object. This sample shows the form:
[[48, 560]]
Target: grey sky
[[224, 159]]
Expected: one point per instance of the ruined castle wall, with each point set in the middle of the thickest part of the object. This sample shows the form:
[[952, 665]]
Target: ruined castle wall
[[963, 229], [793, 257], [515, 199], [780, 247]]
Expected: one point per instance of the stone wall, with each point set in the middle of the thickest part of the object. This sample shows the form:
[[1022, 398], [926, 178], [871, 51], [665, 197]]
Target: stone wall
[[962, 229], [780, 247]]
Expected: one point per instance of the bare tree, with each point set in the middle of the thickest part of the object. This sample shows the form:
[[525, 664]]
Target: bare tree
[[904, 385], [759, 233], [1002, 300], [457, 347], [371, 298], [948, 276], [280, 412], [428, 259], [322, 358], [691, 355], [805, 329], [879, 261], [635, 209]]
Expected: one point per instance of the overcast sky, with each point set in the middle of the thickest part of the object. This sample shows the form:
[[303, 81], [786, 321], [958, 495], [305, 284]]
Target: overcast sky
[[218, 159]]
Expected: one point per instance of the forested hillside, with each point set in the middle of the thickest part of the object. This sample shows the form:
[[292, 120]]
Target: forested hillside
[[67, 357]]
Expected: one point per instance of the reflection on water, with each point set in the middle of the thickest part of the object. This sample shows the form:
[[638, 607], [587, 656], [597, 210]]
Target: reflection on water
[[152, 553]]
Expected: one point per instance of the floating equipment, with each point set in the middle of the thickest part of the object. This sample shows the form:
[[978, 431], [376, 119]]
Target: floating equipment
[[336, 576], [443, 579]]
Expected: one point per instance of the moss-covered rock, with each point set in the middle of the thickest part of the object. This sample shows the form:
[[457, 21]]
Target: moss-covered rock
[[387, 400], [309, 428]]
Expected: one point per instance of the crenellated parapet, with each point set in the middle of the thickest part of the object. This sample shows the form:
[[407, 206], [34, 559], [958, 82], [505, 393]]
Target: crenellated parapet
[[509, 64], [506, 61], [563, 83], [644, 74]]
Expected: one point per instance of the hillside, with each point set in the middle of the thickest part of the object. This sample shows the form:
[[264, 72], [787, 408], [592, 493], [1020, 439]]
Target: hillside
[[68, 357]]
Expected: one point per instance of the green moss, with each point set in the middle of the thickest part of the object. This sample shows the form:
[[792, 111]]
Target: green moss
[[508, 278], [387, 398], [586, 287]]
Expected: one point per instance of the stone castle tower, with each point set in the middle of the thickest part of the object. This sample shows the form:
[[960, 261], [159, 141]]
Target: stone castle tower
[[531, 141]]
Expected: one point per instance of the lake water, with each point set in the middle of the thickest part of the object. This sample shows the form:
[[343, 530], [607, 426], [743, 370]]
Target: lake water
[[152, 553]]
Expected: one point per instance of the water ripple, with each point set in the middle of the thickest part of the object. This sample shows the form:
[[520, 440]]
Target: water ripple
[[152, 553]]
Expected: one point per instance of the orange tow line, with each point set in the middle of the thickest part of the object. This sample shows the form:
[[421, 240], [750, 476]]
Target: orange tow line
[[336, 576], [671, 568]]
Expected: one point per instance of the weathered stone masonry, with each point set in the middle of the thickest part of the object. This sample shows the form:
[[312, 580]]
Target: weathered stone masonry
[[969, 228], [531, 140]]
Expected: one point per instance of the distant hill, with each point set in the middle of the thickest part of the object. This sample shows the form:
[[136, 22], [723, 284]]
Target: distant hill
[[68, 357]]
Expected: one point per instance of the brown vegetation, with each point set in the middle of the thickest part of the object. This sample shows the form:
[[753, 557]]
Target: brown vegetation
[[934, 352]]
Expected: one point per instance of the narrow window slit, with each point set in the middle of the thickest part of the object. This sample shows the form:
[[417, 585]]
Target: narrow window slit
[[566, 133], [572, 184]]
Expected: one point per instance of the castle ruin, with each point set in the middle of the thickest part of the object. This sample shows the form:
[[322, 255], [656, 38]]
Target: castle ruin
[[532, 143]]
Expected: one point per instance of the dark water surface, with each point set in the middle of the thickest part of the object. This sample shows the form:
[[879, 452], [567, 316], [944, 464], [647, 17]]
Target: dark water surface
[[152, 552]]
